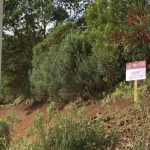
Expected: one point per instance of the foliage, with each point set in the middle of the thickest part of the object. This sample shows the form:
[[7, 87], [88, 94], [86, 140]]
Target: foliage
[[75, 8], [50, 58], [5, 135], [104, 17], [25, 23], [6, 128], [142, 138], [89, 76], [21, 144], [70, 132], [77, 73], [15, 65], [51, 70], [123, 91]]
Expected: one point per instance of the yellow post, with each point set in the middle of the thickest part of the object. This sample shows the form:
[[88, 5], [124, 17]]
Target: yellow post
[[135, 90]]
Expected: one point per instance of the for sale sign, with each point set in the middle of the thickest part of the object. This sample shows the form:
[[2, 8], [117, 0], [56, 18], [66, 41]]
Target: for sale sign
[[136, 70]]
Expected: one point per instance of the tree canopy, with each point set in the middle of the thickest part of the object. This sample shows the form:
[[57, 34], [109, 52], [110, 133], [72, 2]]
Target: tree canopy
[[62, 49]]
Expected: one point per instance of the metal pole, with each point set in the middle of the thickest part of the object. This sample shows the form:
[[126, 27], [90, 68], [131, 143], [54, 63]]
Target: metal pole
[[1, 25]]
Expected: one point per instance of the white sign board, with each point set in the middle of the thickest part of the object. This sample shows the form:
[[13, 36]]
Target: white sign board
[[136, 71]]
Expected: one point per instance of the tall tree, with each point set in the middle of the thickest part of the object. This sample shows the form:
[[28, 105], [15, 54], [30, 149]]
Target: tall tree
[[104, 17], [28, 21], [75, 10]]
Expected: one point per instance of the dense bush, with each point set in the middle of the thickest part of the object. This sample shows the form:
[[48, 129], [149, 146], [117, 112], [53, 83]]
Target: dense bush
[[53, 65], [89, 76], [66, 68]]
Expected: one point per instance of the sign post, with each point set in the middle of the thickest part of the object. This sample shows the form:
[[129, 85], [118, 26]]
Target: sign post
[[135, 90], [1, 24], [135, 71]]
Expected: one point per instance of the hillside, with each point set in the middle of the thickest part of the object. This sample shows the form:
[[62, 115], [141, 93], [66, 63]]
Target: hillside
[[122, 114]]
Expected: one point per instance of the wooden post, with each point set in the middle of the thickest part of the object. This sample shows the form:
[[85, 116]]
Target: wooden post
[[135, 90]]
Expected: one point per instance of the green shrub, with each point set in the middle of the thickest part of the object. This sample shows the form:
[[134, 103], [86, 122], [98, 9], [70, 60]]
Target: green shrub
[[65, 68], [89, 76], [52, 65], [71, 132], [5, 134]]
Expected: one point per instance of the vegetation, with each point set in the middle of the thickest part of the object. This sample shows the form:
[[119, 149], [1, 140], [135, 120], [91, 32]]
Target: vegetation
[[6, 128], [56, 56], [5, 134], [73, 130], [59, 50], [70, 132]]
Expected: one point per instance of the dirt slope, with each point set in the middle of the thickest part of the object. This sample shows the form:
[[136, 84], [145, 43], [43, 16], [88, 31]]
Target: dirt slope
[[26, 114], [120, 114], [23, 114]]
